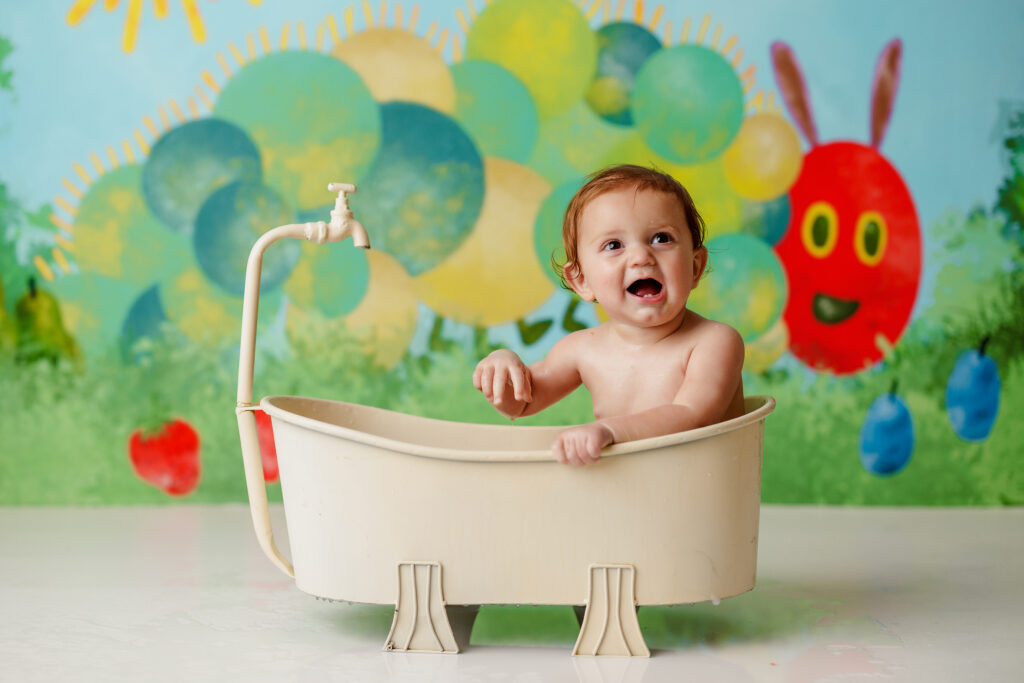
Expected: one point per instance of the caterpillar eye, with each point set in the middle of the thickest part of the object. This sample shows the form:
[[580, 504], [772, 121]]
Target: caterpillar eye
[[871, 238], [820, 229]]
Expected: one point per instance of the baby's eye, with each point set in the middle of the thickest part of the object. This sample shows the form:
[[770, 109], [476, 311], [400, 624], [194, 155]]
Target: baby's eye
[[610, 245], [661, 238]]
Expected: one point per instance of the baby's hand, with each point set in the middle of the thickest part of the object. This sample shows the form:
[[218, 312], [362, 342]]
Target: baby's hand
[[505, 381], [581, 445]]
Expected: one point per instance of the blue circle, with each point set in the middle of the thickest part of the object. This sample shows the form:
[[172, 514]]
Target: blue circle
[[766, 220], [623, 48], [227, 227], [191, 162], [425, 189]]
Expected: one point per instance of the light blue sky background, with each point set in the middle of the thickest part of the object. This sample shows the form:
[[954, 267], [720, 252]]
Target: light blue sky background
[[76, 91]]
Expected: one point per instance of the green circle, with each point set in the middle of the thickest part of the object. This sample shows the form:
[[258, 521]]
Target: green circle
[[547, 44], [745, 286], [687, 103], [116, 235], [496, 110], [547, 230], [312, 117]]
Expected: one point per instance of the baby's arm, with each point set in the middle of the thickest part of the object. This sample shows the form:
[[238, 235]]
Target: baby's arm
[[713, 374], [516, 390]]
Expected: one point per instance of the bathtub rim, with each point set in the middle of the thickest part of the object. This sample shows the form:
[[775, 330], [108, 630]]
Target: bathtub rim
[[763, 405]]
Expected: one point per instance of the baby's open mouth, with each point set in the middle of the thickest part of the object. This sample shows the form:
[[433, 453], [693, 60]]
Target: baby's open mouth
[[645, 288]]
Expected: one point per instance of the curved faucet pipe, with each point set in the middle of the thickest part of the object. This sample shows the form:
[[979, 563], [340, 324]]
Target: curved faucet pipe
[[341, 226]]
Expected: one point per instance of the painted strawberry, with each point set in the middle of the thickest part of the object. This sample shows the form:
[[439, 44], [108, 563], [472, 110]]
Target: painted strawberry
[[268, 451], [167, 457]]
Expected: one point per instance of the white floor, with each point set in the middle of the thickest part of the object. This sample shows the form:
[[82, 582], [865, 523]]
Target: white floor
[[183, 593]]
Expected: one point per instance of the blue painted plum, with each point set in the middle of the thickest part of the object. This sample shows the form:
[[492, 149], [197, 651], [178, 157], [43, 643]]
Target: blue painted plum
[[972, 394], [887, 435]]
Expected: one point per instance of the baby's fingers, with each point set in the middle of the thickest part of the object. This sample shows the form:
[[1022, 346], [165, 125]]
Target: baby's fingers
[[558, 450], [486, 377], [521, 383]]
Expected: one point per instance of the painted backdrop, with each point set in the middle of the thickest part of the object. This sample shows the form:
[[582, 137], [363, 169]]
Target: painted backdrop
[[860, 170]]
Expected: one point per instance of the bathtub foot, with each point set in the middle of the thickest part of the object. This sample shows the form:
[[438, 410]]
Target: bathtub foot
[[610, 626], [420, 623]]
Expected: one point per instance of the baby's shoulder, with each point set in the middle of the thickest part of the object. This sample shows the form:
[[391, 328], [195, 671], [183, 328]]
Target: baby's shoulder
[[702, 331]]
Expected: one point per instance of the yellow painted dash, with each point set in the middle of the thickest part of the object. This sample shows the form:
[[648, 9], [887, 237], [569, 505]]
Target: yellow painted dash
[[81, 173], [141, 141], [63, 203], [71, 187], [61, 260], [63, 225], [210, 82], [43, 268]]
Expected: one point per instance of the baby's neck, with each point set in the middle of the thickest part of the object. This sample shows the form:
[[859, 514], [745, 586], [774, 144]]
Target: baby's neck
[[636, 335]]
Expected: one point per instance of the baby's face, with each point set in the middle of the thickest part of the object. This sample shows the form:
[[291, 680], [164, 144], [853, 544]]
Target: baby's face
[[636, 257]]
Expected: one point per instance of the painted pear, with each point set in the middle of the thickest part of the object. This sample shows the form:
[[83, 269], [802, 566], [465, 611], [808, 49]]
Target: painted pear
[[41, 333]]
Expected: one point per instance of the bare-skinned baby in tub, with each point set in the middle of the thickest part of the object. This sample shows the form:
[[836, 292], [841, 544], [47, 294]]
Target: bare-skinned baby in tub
[[634, 242]]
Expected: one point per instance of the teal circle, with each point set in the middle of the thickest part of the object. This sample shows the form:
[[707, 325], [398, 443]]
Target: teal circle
[[313, 118], [687, 103], [425, 190], [622, 48], [227, 227], [766, 220], [496, 110], [547, 230], [745, 286], [189, 163]]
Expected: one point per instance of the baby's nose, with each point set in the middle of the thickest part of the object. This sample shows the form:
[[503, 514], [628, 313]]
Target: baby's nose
[[640, 254]]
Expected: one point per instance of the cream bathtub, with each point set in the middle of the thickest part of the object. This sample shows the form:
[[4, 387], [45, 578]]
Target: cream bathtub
[[388, 508]]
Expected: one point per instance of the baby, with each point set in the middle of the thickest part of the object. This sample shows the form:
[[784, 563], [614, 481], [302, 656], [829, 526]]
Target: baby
[[634, 242]]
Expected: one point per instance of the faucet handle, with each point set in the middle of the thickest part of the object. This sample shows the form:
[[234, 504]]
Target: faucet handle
[[341, 187]]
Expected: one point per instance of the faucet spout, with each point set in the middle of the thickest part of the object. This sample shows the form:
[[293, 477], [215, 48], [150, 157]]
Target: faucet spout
[[359, 237]]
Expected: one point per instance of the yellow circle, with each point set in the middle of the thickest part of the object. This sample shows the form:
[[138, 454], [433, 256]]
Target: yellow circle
[[761, 352], [494, 276], [396, 65], [204, 312], [871, 238], [820, 229], [764, 158]]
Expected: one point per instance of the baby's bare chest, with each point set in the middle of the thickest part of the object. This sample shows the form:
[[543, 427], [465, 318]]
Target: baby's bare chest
[[625, 383]]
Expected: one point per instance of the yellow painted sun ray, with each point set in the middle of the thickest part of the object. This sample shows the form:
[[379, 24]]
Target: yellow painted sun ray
[[756, 101], [638, 12], [320, 37], [668, 33], [471, 8], [61, 260], [224, 65], [114, 163], [195, 20], [82, 173], [192, 108], [128, 153], [349, 21], [62, 225], [111, 5], [78, 11], [97, 164], [332, 27], [656, 17], [239, 57], [43, 268], [456, 49], [593, 9], [283, 44], [431, 31], [265, 40], [606, 10], [176, 110], [63, 203], [303, 43], [369, 13], [716, 37], [160, 8], [63, 242], [131, 25], [383, 13], [250, 44], [703, 30], [441, 41], [205, 99], [747, 78], [684, 35], [72, 188], [737, 58], [462, 21], [620, 10], [414, 17], [398, 15], [150, 126], [165, 120], [729, 45], [143, 145], [208, 79]]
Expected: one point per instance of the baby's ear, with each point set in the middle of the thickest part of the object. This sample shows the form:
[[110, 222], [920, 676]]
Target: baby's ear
[[574, 276], [700, 263]]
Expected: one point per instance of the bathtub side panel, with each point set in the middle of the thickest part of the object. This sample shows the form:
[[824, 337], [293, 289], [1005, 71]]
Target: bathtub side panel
[[523, 532]]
